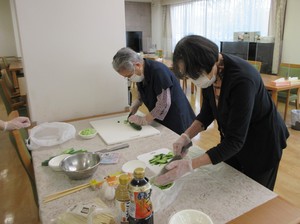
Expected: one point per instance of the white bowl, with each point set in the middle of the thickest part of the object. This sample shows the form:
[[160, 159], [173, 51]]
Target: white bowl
[[87, 133], [54, 163], [131, 165], [190, 216]]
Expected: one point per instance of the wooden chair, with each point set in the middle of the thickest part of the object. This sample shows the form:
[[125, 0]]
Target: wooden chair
[[184, 85], [6, 60], [289, 70], [9, 83], [256, 64], [10, 100], [18, 138]]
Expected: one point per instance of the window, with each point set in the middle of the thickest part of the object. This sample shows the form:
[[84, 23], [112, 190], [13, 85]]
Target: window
[[217, 20]]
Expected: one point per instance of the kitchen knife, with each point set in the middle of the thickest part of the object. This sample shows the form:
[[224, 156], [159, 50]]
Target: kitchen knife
[[129, 115], [114, 148], [176, 157]]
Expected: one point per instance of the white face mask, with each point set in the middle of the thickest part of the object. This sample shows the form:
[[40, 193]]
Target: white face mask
[[136, 78], [203, 81]]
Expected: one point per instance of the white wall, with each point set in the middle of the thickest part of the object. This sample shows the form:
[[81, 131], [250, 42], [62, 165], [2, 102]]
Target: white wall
[[291, 45], [67, 49], [15, 27], [7, 39]]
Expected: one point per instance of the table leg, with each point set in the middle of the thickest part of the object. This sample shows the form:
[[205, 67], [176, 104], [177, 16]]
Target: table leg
[[274, 96], [287, 101], [298, 98]]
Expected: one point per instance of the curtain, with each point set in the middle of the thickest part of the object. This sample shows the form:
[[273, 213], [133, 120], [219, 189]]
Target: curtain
[[276, 29], [219, 19], [167, 32]]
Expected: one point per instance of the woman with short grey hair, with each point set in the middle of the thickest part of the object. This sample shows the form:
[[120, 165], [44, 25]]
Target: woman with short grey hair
[[158, 89]]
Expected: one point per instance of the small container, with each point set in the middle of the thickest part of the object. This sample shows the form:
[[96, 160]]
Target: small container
[[88, 133]]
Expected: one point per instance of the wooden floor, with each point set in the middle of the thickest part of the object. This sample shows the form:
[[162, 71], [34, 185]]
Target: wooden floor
[[18, 206]]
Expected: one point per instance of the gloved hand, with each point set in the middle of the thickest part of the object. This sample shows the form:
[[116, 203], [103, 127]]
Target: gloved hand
[[135, 106], [177, 169], [183, 140], [139, 120], [17, 123]]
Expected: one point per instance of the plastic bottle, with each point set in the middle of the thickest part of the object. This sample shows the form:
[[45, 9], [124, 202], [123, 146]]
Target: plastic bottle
[[122, 199], [140, 207]]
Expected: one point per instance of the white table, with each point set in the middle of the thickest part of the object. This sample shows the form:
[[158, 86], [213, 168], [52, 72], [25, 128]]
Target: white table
[[218, 190]]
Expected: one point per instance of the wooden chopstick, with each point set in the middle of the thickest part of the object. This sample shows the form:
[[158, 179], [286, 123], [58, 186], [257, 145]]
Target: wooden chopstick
[[63, 193], [60, 194]]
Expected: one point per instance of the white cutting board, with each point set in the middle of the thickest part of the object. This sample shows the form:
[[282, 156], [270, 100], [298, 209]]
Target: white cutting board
[[114, 130], [147, 156]]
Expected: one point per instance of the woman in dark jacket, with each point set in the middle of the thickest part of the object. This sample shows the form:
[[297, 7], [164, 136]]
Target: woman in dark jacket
[[252, 132]]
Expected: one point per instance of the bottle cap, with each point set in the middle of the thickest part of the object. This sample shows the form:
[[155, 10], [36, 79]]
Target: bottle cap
[[139, 173], [124, 179]]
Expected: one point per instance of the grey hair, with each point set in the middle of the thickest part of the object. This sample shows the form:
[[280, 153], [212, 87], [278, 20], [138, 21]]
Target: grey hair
[[125, 59]]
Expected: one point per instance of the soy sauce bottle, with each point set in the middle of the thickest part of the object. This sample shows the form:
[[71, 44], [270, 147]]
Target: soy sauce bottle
[[140, 206]]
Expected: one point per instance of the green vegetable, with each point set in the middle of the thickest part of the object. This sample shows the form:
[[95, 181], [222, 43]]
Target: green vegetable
[[70, 151], [88, 131], [45, 163], [161, 158], [163, 187], [135, 126]]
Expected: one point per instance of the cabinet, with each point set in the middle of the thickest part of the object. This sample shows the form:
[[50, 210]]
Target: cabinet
[[254, 51]]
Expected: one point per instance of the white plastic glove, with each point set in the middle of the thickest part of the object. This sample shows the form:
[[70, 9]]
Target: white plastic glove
[[139, 120], [183, 140], [17, 123], [135, 106], [177, 169]]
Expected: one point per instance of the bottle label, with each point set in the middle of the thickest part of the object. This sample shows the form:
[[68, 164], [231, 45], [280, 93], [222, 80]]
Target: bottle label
[[140, 204], [123, 207]]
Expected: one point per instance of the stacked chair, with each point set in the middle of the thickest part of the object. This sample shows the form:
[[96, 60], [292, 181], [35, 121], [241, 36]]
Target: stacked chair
[[11, 99]]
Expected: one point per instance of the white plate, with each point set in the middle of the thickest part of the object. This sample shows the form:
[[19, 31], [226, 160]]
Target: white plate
[[88, 136], [190, 216], [54, 163], [131, 165]]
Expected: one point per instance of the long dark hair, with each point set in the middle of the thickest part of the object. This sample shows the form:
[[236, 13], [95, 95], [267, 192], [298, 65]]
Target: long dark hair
[[197, 53]]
